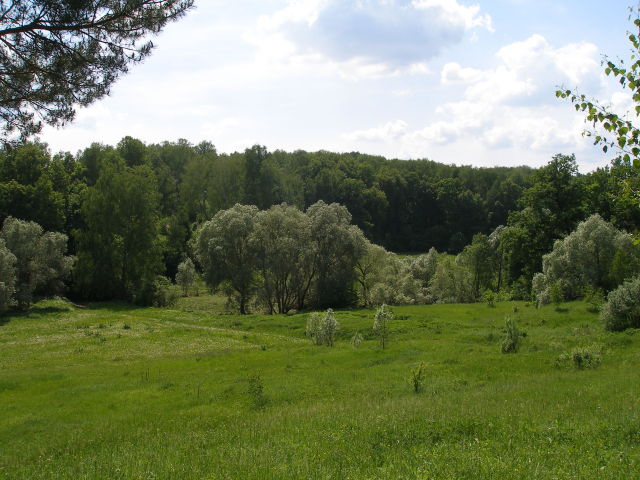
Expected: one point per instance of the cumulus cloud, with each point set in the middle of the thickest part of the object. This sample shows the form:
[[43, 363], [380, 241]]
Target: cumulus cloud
[[384, 133], [400, 34], [509, 106]]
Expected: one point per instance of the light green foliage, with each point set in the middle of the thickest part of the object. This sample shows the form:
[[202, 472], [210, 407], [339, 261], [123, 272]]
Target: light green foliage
[[223, 248], [617, 130], [490, 298], [381, 324], [186, 276], [594, 297], [398, 284], [285, 255], [556, 293], [7, 277], [41, 265], [622, 309], [478, 259], [164, 293], [314, 328], [451, 283], [513, 336], [418, 376], [582, 259], [322, 329], [369, 268], [357, 340], [582, 358], [338, 245]]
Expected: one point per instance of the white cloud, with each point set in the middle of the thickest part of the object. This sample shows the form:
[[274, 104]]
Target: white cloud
[[510, 106], [384, 133], [399, 35]]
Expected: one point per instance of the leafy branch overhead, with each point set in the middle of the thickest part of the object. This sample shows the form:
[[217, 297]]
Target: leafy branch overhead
[[619, 131], [56, 55]]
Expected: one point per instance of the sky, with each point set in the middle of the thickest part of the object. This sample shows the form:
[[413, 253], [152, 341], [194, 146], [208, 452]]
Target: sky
[[455, 81]]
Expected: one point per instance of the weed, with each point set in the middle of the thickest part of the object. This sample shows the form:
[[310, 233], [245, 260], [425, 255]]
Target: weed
[[418, 377], [256, 392], [513, 336]]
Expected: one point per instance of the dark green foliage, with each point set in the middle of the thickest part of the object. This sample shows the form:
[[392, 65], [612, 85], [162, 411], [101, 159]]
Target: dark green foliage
[[119, 252], [58, 54]]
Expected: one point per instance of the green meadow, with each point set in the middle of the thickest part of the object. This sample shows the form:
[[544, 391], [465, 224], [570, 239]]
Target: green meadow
[[111, 391]]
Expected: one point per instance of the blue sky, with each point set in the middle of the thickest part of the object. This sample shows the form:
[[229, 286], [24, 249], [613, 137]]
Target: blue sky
[[455, 81]]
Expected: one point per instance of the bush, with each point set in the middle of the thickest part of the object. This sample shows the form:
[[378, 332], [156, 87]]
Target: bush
[[322, 329], [594, 297], [163, 292], [513, 337], [357, 339], [582, 358], [383, 316], [622, 309]]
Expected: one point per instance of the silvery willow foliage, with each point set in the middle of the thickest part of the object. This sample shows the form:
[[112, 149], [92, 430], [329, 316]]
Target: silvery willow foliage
[[582, 259], [41, 264], [7, 277], [322, 329], [622, 309], [383, 317]]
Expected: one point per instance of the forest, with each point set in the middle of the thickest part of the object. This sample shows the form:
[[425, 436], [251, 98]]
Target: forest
[[280, 231]]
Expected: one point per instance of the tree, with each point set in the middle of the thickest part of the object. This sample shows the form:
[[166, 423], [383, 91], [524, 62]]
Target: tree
[[285, 255], [55, 55], [369, 268], [582, 259], [336, 253], [186, 275], [40, 261], [551, 208], [7, 277], [119, 250], [224, 250], [383, 317]]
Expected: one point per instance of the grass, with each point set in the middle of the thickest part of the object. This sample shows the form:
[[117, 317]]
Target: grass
[[112, 391]]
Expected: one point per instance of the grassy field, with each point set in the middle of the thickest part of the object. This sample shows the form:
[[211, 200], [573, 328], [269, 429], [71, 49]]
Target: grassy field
[[111, 391]]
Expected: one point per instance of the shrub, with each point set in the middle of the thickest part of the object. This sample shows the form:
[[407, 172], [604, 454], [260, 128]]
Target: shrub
[[582, 358], [594, 297], [357, 339], [513, 337], [163, 293], [622, 309], [489, 297], [186, 275], [322, 329], [383, 316]]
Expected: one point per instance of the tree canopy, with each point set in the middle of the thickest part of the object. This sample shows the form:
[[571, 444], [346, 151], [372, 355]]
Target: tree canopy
[[55, 54]]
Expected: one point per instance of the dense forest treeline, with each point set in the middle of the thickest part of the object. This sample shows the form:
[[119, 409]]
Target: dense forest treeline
[[130, 211]]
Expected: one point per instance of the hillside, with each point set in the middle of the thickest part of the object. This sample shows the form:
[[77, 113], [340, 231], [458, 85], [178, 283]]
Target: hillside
[[113, 391]]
